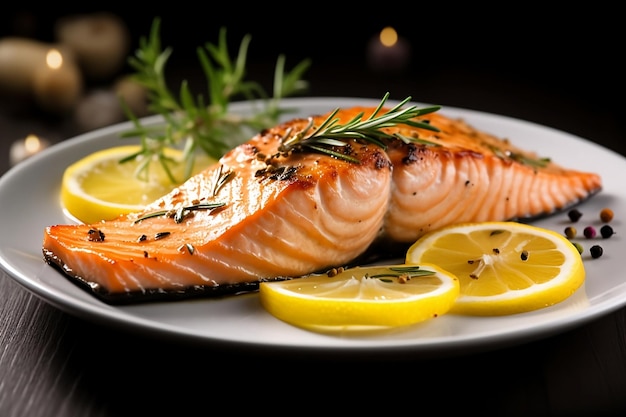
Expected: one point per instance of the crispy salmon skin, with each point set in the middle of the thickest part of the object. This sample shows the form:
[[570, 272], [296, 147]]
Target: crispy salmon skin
[[262, 214]]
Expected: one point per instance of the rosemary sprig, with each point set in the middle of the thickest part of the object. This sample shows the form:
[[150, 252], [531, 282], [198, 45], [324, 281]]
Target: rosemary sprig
[[191, 122], [330, 133]]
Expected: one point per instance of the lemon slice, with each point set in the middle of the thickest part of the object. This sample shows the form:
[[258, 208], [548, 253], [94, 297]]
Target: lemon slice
[[362, 298], [99, 187], [503, 267]]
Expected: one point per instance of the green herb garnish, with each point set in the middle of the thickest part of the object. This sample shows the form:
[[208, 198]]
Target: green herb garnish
[[330, 133], [518, 157], [191, 122], [533, 162], [180, 214], [221, 178], [407, 272]]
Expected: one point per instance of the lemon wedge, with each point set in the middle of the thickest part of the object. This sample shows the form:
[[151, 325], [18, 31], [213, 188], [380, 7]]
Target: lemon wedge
[[362, 298], [503, 267], [99, 187]]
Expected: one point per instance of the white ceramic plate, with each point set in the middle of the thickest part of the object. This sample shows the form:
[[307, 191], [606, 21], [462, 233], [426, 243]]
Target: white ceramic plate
[[29, 201]]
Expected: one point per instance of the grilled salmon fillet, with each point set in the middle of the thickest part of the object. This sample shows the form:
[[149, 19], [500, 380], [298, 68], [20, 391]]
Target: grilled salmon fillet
[[262, 214]]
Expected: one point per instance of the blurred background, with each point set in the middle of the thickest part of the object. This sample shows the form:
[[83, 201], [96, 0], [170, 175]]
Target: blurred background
[[562, 69]]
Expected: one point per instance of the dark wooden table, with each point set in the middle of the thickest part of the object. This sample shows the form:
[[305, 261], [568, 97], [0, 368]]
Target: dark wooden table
[[56, 364]]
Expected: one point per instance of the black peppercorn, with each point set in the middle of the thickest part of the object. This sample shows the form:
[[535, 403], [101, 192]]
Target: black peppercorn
[[606, 231], [596, 251], [574, 215]]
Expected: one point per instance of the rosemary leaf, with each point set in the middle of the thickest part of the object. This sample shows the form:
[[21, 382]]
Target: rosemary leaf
[[411, 271], [180, 213]]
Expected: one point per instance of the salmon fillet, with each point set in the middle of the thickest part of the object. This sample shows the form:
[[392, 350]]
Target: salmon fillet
[[262, 214]]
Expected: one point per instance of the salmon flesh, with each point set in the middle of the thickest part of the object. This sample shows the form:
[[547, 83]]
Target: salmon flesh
[[259, 214]]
